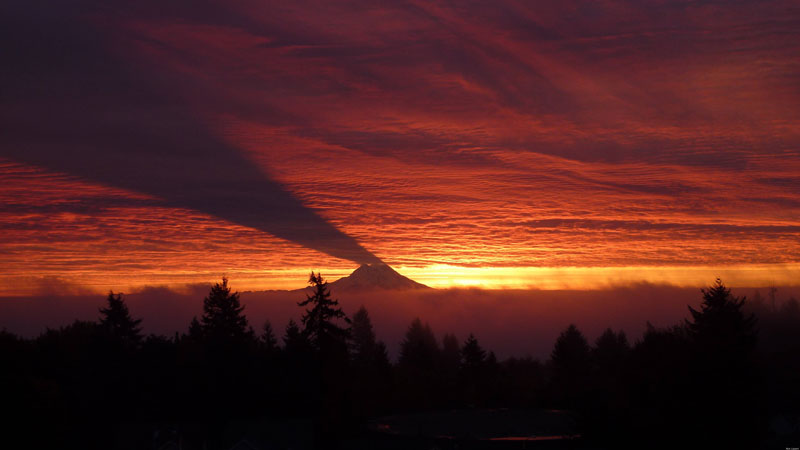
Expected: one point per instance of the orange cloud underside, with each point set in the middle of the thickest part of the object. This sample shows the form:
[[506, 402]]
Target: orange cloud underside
[[459, 149], [494, 227]]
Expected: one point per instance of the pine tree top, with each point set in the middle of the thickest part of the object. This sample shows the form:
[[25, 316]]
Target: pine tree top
[[571, 350], [362, 334], [472, 354], [223, 314], [268, 339], [320, 319], [419, 347], [116, 319], [720, 318]]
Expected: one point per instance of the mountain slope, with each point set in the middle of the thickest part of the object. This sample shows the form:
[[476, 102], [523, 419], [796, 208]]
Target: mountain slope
[[375, 276]]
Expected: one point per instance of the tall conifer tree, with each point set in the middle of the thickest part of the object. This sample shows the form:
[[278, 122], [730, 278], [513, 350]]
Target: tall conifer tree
[[321, 317], [117, 321], [223, 315]]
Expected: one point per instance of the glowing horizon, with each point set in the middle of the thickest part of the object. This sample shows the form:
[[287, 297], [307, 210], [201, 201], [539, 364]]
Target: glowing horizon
[[439, 277]]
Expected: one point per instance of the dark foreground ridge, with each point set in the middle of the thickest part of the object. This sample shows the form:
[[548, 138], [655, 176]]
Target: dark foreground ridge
[[375, 276]]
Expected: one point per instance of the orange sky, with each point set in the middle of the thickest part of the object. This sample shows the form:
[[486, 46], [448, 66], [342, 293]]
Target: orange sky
[[580, 146]]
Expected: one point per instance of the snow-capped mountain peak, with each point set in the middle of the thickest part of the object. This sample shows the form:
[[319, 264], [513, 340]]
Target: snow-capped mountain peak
[[375, 276]]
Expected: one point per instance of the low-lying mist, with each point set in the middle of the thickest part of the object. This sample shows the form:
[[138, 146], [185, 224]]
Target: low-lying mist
[[509, 322]]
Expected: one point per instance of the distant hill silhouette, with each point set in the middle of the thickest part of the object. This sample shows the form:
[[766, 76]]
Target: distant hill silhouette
[[375, 276]]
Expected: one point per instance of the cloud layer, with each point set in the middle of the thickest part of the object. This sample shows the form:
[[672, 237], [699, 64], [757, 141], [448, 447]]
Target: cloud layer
[[148, 142]]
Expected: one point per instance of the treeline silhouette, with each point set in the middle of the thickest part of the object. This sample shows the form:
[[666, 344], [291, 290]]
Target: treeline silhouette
[[717, 380]]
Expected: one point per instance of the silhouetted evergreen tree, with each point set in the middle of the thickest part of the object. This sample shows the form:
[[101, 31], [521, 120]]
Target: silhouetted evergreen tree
[[725, 368], [195, 330], [227, 359], [120, 338], [320, 320], [223, 317], [419, 348], [571, 364], [473, 357], [268, 370], [473, 372], [421, 383], [116, 320], [367, 351], [720, 323], [491, 378], [451, 352], [294, 341], [267, 338], [371, 368], [450, 363], [363, 337], [571, 352], [382, 356], [610, 351], [301, 386], [606, 401]]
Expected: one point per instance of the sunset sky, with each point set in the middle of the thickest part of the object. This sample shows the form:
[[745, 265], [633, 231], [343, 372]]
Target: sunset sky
[[573, 144]]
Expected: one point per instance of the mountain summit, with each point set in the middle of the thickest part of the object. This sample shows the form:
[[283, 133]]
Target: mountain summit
[[375, 276]]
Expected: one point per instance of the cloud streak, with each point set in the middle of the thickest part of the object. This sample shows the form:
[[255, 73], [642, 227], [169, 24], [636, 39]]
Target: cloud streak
[[72, 105]]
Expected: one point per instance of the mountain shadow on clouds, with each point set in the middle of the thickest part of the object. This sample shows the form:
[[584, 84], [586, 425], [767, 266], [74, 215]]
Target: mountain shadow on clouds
[[70, 104]]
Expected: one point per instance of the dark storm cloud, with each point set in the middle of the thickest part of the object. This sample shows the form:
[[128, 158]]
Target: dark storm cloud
[[71, 105]]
